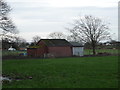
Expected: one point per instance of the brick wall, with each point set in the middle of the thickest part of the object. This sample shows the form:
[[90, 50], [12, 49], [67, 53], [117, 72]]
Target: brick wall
[[63, 51], [60, 51], [31, 51]]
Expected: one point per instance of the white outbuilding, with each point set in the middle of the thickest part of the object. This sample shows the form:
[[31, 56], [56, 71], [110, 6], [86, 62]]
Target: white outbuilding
[[77, 49]]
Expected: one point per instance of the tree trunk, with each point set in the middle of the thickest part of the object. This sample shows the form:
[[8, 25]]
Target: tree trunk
[[93, 48], [94, 52]]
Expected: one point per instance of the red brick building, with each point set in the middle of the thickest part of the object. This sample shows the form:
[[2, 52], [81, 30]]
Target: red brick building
[[51, 48]]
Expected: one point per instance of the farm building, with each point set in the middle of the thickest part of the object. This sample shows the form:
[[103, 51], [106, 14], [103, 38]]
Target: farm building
[[53, 48]]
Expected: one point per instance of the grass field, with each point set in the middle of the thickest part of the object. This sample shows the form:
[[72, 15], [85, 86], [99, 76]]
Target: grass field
[[111, 51], [80, 72]]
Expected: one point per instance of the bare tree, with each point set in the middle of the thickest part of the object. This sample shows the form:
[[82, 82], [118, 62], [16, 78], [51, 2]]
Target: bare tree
[[90, 29], [20, 41], [36, 39], [7, 28], [74, 38], [56, 35], [17, 42]]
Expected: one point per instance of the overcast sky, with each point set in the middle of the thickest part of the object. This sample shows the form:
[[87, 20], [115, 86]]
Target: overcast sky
[[41, 17]]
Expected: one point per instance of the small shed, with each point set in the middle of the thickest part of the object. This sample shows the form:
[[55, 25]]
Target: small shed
[[55, 48], [77, 49], [51, 48]]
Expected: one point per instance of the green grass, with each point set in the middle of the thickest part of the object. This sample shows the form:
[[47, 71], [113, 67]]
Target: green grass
[[83, 72], [111, 51]]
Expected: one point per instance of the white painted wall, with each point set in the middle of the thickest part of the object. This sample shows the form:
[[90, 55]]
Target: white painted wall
[[78, 51]]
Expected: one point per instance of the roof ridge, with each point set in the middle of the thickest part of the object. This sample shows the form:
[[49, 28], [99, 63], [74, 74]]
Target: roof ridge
[[56, 42], [53, 39]]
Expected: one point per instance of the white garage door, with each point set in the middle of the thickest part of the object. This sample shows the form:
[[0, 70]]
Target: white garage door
[[78, 51]]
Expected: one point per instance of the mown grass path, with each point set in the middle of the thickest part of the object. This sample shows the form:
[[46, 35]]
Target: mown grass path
[[80, 72]]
